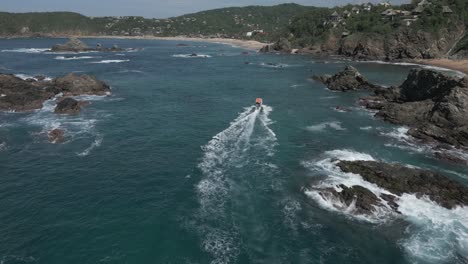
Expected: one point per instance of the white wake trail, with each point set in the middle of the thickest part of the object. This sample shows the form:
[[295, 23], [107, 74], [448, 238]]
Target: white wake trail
[[225, 159]]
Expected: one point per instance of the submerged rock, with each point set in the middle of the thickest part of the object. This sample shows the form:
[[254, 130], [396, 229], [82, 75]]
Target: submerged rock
[[350, 79], [56, 135], [68, 106]]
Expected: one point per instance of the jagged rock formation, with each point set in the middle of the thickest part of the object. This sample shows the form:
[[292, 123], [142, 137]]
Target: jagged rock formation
[[68, 106], [73, 45], [397, 180], [433, 104], [25, 95], [347, 80], [282, 45], [76, 45]]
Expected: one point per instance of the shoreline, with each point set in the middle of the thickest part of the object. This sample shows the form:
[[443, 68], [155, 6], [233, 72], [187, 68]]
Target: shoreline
[[245, 44], [455, 65], [459, 66]]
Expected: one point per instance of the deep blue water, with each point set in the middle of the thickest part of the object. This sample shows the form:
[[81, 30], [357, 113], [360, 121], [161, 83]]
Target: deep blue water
[[140, 178]]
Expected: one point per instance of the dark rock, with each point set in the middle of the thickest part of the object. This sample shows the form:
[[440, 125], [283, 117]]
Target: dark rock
[[56, 135], [19, 95], [39, 77], [433, 104], [76, 45], [72, 85], [424, 84], [450, 158], [68, 106], [73, 45], [364, 201], [347, 80], [399, 180], [282, 45]]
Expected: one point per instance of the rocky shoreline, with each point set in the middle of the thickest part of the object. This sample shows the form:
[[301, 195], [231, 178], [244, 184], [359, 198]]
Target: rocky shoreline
[[432, 104], [18, 95], [396, 180]]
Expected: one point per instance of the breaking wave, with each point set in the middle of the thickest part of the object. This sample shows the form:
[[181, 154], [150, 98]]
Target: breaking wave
[[26, 50], [435, 234], [109, 61], [25, 77], [74, 58], [323, 126], [96, 143], [245, 145]]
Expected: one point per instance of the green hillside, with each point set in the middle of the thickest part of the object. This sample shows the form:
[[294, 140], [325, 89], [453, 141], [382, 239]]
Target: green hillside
[[227, 22]]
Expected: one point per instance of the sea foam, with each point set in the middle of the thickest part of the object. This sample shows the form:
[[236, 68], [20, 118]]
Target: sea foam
[[436, 234]]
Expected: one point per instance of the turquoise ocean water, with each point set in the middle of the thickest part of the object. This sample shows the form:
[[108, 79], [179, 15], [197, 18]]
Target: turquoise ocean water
[[176, 167]]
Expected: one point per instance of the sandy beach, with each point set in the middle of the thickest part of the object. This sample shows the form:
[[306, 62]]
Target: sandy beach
[[458, 65], [245, 44]]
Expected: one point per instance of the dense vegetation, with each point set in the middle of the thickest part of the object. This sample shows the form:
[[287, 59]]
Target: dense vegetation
[[228, 22]]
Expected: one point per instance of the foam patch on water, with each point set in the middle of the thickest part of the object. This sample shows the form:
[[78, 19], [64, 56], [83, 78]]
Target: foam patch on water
[[109, 61], [3, 146], [326, 125], [436, 234], [191, 56], [76, 127], [26, 50], [96, 143], [74, 58]]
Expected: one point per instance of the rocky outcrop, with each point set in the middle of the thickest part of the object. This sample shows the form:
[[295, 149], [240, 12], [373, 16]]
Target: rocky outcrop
[[68, 106], [402, 44], [395, 180], [76, 45], [25, 95], [282, 45], [399, 179], [347, 80], [72, 85], [56, 136], [433, 104], [73, 45], [21, 95]]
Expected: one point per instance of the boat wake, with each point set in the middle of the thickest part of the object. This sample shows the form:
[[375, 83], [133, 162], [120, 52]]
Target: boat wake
[[435, 234], [232, 162]]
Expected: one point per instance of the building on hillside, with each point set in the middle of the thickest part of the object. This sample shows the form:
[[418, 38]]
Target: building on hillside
[[346, 14], [335, 17], [367, 7], [249, 34], [355, 10], [447, 10], [389, 14]]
